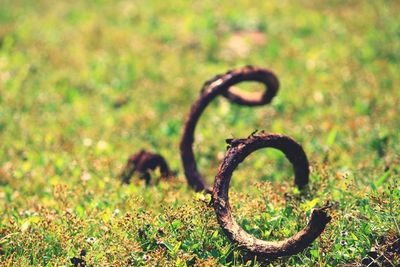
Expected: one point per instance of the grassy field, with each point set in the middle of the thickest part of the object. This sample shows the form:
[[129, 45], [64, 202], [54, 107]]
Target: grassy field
[[84, 84]]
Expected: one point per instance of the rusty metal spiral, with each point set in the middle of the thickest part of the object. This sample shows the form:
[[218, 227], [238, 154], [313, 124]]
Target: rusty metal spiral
[[222, 85], [142, 163], [238, 150]]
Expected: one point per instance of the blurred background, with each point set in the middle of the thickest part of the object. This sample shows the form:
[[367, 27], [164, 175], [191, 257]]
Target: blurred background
[[84, 84]]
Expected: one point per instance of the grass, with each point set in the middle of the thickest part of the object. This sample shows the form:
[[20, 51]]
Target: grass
[[83, 85]]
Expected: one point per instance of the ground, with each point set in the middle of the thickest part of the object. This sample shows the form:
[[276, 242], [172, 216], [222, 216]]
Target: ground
[[85, 84]]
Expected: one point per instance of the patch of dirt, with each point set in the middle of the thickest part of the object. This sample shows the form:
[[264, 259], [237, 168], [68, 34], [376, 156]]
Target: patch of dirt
[[240, 44], [386, 253]]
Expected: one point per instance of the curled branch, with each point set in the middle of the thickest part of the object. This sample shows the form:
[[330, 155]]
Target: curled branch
[[143, 162], [222, 85], [238, 150]]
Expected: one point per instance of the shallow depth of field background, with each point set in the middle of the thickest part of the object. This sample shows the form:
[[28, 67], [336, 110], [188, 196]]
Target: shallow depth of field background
[[84, 84]]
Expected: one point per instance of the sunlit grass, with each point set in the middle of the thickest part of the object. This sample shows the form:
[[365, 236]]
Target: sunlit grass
[[83, 85]]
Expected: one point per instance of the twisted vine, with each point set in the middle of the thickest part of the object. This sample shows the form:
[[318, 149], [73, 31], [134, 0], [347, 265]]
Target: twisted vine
[[222, 85]]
